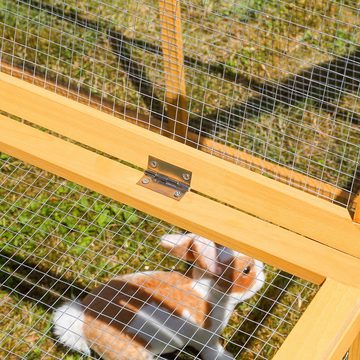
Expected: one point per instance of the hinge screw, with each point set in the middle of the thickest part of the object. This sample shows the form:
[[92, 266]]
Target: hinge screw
[[177, 194], [153, 163], [145, 181], [186, 176]]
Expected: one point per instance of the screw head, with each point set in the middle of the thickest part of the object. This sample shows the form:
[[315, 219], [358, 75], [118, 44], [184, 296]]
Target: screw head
[[186, 176], [153, 163], [177, 194], [145, 181]]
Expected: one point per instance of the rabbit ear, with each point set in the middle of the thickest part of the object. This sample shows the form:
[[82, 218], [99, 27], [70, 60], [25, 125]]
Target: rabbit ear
[[178, 244], [205, 253], [191, 247], [225, 258]]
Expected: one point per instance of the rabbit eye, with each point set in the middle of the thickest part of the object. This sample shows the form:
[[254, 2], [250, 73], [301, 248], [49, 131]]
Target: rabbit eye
[[247, 270]]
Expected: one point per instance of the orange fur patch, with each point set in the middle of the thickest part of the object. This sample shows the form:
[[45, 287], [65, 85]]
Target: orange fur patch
[[111, 307]]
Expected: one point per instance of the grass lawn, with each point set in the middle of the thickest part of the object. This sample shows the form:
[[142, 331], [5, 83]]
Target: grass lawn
[[256, 81], [60, 240]]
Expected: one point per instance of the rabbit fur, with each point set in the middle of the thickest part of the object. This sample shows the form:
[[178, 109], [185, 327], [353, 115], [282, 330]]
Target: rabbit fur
[[141, 315]]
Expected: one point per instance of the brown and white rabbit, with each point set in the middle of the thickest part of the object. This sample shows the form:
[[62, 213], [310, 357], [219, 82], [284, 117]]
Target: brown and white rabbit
[[141, 315]]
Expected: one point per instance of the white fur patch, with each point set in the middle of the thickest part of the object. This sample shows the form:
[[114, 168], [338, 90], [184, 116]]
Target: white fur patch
[[259, 282], [187, 315], [68, 326], [202, 285]]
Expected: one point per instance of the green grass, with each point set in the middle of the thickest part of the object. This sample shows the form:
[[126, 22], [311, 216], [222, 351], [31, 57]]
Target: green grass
[[257, 41], [81, 238]]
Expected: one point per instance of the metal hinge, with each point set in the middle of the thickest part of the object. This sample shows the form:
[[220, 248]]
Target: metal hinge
[[166, 179]]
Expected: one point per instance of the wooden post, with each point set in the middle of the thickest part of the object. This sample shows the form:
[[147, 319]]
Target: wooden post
[[357, 210], [327, 328], [354, 352], [356, 190], [173, 58]]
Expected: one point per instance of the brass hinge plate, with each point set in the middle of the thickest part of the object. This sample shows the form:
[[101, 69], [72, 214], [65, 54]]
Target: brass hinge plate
[[165, 178]]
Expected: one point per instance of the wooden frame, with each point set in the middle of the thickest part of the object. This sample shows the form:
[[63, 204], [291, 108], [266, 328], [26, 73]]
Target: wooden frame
[[275, 245], [285, 206], [354, 352], [280, 173], [173, 58], [357, 214], [357, 210], [194, 212], [283, 226], [327, 328]]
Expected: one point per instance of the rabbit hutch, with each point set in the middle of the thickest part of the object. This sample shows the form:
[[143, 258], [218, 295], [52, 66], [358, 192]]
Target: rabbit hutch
[[180, 179]]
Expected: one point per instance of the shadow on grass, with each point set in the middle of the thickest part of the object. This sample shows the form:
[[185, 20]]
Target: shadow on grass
[[353, 188], [321, 83], [32, 282], [137, 75], [122, 44], [246, 334]]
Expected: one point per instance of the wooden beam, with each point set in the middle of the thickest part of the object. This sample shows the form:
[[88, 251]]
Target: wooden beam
[[241, 158], [274, 245], [265, 198], [173, 58], [356, 189], [354, 352], [328, 326], [357, 211], [280, 173]]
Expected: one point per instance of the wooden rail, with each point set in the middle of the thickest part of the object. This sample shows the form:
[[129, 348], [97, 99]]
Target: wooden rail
[[327, 328], [274, 245], [331, 324], [265, 198], [354, 352], [357, 209], [356, 189], [280, 173]]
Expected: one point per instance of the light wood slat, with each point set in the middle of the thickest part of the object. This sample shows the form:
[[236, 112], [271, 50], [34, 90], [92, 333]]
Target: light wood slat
[[356, 189], [354, 352], [327, 328], [357, 214], [281, 173], [357, 211], [248, 191], [272, 244], [173, 59]]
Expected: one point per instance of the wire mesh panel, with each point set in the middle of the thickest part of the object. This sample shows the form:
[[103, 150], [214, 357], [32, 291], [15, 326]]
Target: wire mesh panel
[[275, 79], [271, 85], [61, 242]]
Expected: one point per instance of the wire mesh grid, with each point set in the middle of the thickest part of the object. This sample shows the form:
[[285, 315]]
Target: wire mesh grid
[[60, 242], [275, 79]]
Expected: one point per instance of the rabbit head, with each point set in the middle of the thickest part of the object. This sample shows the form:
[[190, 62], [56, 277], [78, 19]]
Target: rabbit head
[[231, 272]]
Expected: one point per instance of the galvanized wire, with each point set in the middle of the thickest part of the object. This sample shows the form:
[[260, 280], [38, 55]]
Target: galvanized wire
[[277, 80], [59, 241]]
